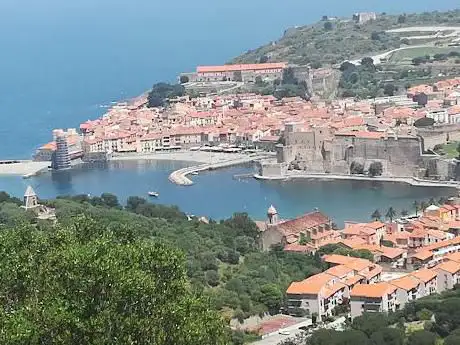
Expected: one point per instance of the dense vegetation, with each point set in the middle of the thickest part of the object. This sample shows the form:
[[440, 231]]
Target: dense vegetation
[[161, 92], [223, 261], [94, 282], [332, 41]]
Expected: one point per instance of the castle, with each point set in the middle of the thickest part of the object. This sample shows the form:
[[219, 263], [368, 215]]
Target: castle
[[317, 150]]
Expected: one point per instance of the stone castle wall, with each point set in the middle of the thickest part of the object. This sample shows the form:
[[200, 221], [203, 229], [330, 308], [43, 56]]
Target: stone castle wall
[[316, 152]]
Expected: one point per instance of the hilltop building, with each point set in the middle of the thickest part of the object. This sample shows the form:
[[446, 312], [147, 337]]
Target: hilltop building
[[364, 17], [237, 73]]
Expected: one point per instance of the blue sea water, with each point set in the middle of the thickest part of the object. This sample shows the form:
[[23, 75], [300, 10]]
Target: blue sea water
[[62, 61], [219, 193]]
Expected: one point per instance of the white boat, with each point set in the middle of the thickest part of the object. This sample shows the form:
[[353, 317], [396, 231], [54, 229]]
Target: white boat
[[195, 173], [154, 194]]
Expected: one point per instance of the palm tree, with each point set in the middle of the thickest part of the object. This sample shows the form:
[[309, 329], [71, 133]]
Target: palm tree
[[442, 200], [423, 206], [391, 213], [416, 207], [432, 201], [404, 213], [376, 215]]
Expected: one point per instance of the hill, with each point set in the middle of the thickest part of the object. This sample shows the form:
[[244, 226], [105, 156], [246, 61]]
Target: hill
[[333, 40]]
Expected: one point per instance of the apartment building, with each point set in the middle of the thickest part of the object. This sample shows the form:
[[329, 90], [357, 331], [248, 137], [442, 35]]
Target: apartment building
[[409, 289], [379, 297], [448, 275]]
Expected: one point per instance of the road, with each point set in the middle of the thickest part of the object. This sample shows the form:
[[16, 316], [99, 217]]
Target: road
[[378, 58], [294, 331]]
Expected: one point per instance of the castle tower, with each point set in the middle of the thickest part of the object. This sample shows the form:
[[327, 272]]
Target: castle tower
[[30, 198], [272, 215]]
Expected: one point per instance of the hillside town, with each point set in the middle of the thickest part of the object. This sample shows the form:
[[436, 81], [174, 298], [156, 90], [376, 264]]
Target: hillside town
[[411, 257], [342, 136]]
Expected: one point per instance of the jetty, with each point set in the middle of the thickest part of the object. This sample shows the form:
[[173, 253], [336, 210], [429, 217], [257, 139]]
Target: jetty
[[180, 177], [24, 168]]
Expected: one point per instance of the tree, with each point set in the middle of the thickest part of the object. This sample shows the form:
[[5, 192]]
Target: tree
[[263, 59], [328, 26], [416, 205], [370, 323], [212, 278], [356, 168], [404, 213], [347, 66], [184, 79], [387, 336], [453, 339], [110, 200], [376, 169], [289, 76], [272, 297], [259, 81], [161, 92], [389, 89], [84, 284], [368, 62], [424, 314], [238, 76], [133, 202], [376, 215], [421, 338], [391, 214]]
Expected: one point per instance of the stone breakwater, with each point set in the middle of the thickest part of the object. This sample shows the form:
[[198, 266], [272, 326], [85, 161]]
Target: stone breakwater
[[180, 177], [413, 181]]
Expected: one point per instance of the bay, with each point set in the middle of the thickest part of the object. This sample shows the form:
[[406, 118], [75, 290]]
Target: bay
[[217, 194]]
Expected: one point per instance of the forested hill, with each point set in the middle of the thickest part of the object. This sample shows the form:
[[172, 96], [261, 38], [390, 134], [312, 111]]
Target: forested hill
[[333, 40]]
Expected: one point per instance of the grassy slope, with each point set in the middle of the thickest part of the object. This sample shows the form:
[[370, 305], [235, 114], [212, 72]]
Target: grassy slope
[[406, 55], [346, 40]]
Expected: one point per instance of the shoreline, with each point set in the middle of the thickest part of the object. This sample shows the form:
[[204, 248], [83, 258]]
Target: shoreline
[[196, 157], [24, 168], [413, 181]]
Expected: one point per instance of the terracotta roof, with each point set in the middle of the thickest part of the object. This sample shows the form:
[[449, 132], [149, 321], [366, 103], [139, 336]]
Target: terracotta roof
[[337, 259], [298, 248], [373, 271], [406, 283], [392, 253], [353, 280], [425, 274], [308, 221], [423, 255], [329, 291], [372, 290], [244, 67], [311, 285], [339, 271], [449, 266], [454, 257]]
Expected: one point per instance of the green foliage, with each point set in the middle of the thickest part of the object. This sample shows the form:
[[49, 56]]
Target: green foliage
[[161, 92], [391, 214], [370, 323], [422, 338], [184, 79], [376, 215], [375, 169], [272, 297], [356, 168], [328, 26], [84, 283], [424, 314], [387, 336]]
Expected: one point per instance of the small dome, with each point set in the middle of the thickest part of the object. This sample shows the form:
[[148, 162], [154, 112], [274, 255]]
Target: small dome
[[272, 210], [432, 208]]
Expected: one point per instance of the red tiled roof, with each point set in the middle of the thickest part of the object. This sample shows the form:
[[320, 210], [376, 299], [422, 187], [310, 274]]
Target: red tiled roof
[[244, 67], [308, 221]]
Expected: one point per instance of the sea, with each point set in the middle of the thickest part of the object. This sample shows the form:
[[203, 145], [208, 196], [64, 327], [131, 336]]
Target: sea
[[63, 62]]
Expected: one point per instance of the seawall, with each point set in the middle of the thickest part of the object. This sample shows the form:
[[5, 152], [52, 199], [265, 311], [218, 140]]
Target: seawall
[[413, 181]]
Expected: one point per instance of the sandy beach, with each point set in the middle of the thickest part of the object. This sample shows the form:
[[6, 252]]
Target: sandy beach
[[185, 156]]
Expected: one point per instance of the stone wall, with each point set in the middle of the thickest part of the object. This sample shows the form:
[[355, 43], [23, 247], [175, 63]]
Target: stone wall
[[316, 152]]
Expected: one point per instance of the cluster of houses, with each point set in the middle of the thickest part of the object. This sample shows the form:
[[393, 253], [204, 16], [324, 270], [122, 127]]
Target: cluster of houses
[[427, 245], [256, 120]]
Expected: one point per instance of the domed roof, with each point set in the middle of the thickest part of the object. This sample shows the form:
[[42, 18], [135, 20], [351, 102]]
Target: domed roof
[[272, 210], [432, 208]]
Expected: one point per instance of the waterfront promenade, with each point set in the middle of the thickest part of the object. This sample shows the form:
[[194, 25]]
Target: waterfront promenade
[[413, 181]]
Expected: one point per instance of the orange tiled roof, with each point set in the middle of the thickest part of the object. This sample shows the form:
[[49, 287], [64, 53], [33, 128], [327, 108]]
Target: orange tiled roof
[[425, 274], [339, 271], [308, 221], [454, 257], [243, 67], [406, 283], [449, 266], [372, 290], [311, 285], [423, 255]]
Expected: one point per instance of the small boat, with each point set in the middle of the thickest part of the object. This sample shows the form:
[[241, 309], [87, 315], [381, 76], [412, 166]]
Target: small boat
[[195, 173], [154, 194]]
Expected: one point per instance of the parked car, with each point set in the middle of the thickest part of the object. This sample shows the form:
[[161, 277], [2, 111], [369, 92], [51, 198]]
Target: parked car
[[284, 332]]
